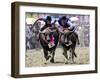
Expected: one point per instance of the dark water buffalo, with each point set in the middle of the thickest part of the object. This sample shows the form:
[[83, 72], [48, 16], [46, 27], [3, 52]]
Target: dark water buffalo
[[73, 37], [48, 29], [47, 50]]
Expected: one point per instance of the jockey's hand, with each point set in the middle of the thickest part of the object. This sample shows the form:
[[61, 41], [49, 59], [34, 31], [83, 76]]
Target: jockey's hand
[[66, 30], [47, 30]]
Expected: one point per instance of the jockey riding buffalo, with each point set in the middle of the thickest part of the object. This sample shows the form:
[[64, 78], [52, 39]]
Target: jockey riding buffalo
[[49, 37], [68, 38]]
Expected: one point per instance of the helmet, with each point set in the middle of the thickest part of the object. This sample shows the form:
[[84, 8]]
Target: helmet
[[64, 18], [48, 18]]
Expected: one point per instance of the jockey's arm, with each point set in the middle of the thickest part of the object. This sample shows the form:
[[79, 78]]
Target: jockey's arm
[[71, 25]]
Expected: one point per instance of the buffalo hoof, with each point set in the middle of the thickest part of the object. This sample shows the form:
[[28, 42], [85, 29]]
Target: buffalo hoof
[[66, 62], [47, 58], [47, 62], [52, 60]]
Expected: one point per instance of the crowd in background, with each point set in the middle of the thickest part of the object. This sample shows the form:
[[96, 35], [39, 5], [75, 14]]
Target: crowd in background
[[31, 32]]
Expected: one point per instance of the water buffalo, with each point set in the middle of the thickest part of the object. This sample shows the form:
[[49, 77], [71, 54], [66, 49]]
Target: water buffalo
[[73, 37], [49, 52]]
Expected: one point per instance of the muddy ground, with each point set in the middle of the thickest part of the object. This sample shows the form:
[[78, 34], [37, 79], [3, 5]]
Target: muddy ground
[[35, 57]]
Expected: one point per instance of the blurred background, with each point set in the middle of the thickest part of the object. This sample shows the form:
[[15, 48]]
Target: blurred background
[[82, 28]]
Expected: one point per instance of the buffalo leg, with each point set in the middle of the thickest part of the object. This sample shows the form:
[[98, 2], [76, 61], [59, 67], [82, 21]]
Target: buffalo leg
[[52, 59], [46, 55], [65, 54], [74, 52], [73, 55]]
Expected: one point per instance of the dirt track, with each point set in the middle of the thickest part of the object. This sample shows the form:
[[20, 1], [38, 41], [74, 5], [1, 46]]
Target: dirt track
[[36, 57]]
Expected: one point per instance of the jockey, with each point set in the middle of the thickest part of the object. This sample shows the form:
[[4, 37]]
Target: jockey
[[67, 26], [46, 29], [66, 23]]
